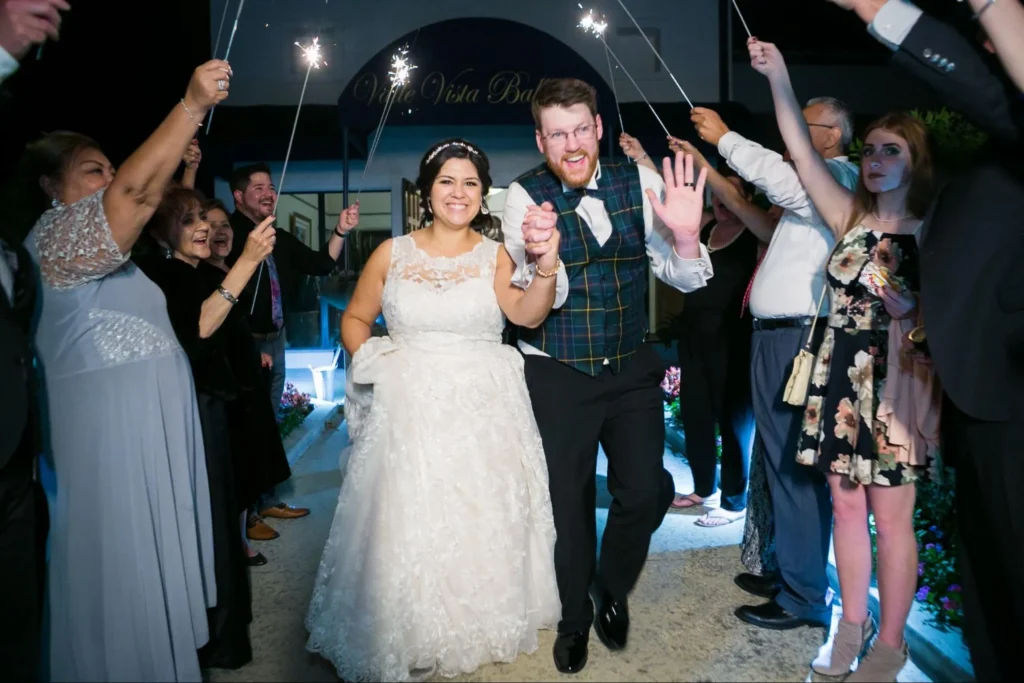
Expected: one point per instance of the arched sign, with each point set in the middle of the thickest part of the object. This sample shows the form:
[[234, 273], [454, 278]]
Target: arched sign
[[469, 72]]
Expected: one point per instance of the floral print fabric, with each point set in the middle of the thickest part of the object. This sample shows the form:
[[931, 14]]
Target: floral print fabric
[[840, 432]]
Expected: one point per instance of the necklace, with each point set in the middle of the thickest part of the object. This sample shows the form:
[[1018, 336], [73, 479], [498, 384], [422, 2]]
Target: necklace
[[711, 236], [888, 220]]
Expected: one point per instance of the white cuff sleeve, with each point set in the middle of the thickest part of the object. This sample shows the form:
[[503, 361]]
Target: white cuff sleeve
[[894, 22]]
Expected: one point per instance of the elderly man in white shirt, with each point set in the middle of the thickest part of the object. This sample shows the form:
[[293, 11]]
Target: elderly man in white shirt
[[784, 300]]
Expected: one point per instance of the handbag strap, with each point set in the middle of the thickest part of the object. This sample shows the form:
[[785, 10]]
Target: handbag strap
[[817, 314]]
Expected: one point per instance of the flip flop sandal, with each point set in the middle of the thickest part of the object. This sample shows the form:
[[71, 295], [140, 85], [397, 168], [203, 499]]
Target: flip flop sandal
[[719, 518]]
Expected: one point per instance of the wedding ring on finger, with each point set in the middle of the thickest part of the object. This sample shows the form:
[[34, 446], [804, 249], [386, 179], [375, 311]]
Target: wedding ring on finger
[[222, 85], [689, 184]]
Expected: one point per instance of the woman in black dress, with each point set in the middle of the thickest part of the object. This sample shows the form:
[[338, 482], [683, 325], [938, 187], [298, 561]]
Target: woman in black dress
[[714, 333], [202, 320], [258, 453]]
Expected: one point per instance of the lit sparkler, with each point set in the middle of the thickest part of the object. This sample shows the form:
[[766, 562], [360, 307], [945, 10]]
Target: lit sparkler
[[591, 25], [399, 77], [313, 59], [312, 54]]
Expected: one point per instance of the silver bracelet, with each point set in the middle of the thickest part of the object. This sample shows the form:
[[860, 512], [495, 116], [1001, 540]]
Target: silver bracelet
[[977, 15], [227, 295], [189, 112]]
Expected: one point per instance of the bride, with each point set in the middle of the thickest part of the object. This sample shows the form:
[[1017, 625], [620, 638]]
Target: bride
[[441, 554]]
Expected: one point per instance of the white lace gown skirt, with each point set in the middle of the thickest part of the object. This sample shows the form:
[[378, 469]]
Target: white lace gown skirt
[[441, 554]]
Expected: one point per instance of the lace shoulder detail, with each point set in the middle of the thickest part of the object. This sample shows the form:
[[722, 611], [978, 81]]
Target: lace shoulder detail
[[75, 244], [440, 273]]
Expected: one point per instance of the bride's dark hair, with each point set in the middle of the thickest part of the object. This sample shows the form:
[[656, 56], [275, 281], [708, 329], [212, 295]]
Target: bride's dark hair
[[430, 166]]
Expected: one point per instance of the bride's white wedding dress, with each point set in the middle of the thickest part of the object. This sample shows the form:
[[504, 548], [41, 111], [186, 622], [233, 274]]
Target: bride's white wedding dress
[[441, 554]]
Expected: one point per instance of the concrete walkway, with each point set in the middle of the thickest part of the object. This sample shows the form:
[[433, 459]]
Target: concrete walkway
[[682, 609]]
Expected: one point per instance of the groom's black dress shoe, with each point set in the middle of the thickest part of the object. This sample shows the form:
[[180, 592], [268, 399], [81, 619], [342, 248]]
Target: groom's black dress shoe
[[761, 586], [611, 621], [774, 616], [571, 651]]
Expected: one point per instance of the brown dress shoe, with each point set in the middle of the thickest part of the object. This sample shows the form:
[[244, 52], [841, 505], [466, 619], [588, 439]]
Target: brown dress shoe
[[258, 530], [284, 511]]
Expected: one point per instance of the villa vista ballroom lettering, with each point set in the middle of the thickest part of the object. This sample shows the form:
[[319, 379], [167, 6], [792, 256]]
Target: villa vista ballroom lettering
[[438, 88]]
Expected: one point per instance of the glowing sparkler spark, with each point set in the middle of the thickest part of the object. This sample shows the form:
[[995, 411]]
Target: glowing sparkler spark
[[590, 24], [400, 68], [312, 54]]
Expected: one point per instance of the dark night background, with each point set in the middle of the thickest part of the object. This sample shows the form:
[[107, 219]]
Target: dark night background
[[121, 65]]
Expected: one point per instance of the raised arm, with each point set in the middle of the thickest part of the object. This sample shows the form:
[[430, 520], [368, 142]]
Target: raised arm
[[137, 189], [193, 157], [517, 205], [258, 245], [941, 57], [1004, 23], [756, 219], [524, 307], [832, 200], [632, 148], [365, 306]]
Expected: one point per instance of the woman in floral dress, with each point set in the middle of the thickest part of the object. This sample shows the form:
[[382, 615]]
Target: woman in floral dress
[[873, 278]]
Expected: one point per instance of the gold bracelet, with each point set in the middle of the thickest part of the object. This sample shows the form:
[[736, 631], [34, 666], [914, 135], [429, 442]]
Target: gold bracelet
[[552, 272]]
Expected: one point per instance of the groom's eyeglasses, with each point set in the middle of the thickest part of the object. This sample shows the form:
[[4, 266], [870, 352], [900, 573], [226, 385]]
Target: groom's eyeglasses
[[584, 132]]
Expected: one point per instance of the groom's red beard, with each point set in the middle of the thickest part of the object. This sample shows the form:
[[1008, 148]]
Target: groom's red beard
[[574, 179]]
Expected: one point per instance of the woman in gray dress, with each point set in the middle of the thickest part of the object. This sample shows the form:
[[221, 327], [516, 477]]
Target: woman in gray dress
[[131, 564]]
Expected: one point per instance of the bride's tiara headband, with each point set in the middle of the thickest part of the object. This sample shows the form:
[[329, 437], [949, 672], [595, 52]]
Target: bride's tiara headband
[[468, 148]]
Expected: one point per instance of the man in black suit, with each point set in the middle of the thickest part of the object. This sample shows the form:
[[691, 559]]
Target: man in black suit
[[972, 300], [23, 514]]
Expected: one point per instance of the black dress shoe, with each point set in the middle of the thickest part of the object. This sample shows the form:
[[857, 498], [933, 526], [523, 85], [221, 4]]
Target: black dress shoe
[[762, 586], [611, 621], [774, 616], [257, 560], [571, 651]]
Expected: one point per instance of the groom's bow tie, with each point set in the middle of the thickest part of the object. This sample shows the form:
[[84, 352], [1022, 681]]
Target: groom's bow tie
[[574, 196]]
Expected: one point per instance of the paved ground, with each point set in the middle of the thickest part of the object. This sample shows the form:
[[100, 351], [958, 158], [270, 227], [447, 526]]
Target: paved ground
[[683, 626]]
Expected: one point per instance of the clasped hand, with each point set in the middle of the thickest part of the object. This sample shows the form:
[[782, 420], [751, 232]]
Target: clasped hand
[[540, 233]]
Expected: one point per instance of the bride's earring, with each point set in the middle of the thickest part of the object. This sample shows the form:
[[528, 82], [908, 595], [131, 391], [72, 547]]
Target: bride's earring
[[483, 208]]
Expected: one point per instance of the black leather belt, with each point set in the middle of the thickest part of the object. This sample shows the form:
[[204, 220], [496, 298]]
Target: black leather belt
[[768, 324]]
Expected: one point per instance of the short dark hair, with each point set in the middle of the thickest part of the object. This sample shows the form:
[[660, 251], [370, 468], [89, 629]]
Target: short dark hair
[[175, 201], [50, 156], [562, 92], [435, 158], [242, 176]]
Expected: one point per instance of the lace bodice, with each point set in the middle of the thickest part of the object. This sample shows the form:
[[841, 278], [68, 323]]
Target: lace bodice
[[441, 300]]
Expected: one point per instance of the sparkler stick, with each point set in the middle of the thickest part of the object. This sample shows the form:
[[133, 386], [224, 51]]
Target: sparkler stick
[[657, 54], [220, 31], [399, 76], [591, 25], [312, 56], [615, 94], [745, 27], [231, 40]]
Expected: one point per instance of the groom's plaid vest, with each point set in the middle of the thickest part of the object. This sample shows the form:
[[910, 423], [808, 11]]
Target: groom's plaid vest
[[604, 314]]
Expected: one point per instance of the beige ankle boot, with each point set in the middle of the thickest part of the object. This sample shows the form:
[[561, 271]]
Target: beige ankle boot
[[882, 663], [847, 644]]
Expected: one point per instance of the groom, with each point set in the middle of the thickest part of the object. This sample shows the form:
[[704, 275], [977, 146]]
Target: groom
[[591, 378]]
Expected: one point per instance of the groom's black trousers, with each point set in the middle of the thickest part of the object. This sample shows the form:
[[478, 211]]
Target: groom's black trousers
[[623, 412]]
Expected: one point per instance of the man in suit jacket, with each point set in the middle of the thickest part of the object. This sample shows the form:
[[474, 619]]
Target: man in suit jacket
[[973, 305], [23, 513]]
